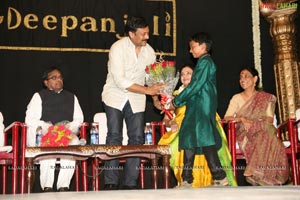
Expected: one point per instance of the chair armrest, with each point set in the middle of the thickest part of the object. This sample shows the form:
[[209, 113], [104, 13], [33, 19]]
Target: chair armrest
[[285, 129], [83, 128], [162, 129], [13, 130], [287, 132]]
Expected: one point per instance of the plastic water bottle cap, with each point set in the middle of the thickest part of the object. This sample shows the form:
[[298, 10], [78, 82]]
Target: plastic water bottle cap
[[82, 141]]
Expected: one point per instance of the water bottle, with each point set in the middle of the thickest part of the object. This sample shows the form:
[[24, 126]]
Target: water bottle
[[82, 142], [148, 134], [94, 134], [39, 135]]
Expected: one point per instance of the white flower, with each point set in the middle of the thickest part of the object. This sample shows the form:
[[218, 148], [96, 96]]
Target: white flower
[[256, 38]]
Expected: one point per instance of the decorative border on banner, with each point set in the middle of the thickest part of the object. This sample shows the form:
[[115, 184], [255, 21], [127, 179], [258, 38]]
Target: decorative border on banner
[[174, 29], [99, 50]]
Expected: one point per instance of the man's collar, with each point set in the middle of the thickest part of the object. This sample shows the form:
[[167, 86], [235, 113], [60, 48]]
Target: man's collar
[[56, 92], [130, 43]]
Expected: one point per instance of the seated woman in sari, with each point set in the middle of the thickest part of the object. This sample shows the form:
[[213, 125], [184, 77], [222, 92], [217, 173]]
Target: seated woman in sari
[[201, 172], [253, 111]]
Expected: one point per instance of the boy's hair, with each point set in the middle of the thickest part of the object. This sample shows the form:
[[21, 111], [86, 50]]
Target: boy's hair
[[201, 38]]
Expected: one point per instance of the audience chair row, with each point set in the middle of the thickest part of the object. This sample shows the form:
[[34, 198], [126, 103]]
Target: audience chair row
[[13, 161]]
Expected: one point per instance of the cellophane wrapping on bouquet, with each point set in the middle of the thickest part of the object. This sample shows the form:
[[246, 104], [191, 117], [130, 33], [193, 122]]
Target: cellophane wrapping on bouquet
[[163, 72]]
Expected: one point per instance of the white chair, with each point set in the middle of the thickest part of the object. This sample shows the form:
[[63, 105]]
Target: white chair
[[275, 122], [100, 119]]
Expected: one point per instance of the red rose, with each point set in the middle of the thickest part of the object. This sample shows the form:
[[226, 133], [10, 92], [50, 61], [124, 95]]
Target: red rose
[[153, 66], [164, 64], [147, 70], [61, 127], [171, 63]]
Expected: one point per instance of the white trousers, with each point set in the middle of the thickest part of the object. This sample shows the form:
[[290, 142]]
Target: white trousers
[[47, 169]]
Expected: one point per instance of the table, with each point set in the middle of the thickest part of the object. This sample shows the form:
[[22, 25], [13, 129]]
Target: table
[[103, 152]]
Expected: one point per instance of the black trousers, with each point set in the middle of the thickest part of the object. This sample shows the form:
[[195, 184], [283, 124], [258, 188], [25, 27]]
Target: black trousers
[[213, 161]]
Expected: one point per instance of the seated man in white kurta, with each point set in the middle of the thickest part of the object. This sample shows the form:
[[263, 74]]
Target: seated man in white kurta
[[1, 130], [47, 107], [2, 147]]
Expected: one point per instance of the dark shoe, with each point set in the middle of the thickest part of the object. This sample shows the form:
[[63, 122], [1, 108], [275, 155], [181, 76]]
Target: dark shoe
[[63, 189], [111, 187], [48, 189], [184, 185], [129, 187], [223, 182]]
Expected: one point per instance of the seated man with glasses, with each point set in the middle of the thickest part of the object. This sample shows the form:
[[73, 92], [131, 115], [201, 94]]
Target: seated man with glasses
[[50, 106]]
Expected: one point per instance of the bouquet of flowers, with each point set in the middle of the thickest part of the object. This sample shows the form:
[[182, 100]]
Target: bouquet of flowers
[[57, 135], [163, 72]]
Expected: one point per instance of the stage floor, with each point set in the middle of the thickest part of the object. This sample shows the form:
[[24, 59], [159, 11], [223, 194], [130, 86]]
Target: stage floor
[[230, 193]]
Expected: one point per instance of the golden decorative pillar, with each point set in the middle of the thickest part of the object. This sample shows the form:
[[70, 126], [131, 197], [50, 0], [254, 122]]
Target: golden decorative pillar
[[282, 31]]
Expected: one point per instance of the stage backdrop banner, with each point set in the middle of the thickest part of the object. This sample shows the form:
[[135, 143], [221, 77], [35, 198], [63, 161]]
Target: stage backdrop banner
[[74, 35], [84, 26]]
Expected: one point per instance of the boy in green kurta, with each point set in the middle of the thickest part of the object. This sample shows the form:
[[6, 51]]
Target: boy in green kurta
[[198, 133]]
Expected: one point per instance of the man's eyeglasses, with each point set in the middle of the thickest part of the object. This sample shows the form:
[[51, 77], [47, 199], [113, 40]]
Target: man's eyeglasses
[[55, 77]]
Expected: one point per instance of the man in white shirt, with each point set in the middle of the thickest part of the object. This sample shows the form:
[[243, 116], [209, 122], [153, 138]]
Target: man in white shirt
[[47, 107], [1, 130], [124, 96]]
